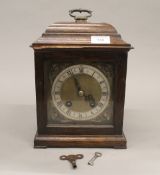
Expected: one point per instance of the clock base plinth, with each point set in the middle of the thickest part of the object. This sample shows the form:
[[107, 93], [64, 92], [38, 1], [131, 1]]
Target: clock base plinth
[[83, 141]]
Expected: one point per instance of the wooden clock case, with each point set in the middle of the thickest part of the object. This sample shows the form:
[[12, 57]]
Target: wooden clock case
[[71, 43]]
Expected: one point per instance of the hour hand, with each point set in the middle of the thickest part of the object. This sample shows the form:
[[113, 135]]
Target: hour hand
[[91, 100]]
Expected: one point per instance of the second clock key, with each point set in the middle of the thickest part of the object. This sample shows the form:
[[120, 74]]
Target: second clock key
[[96, 155]]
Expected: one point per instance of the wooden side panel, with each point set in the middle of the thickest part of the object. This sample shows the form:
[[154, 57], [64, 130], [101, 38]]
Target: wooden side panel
[[39, 82], [120, 83]]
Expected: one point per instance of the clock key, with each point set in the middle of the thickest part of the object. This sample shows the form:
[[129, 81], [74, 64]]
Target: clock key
[[96, 155], [72, 159]]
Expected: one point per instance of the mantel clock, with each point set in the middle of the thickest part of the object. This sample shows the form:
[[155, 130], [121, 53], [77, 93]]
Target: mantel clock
[[80, 74]]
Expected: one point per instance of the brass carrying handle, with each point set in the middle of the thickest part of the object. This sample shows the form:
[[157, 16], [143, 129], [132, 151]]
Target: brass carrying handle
[[71, 13]]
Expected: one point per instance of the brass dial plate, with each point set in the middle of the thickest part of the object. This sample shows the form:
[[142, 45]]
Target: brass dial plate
[[57, 118]]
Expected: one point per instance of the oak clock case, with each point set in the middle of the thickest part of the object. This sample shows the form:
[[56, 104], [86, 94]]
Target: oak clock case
[[80, 85]]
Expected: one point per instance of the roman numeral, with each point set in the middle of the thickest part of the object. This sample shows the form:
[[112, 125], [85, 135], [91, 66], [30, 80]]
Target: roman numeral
[[101, 82], [60, 81], [68, 112], [81, 69], [100, 105], [57, 92], [92, 113], [69, 72], [104, 93], [80, 115], [59, 103]]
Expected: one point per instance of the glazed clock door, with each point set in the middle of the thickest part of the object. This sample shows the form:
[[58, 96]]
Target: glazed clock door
[[79, 96]]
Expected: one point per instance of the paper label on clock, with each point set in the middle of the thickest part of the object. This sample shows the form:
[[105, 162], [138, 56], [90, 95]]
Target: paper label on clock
[[100, 39]]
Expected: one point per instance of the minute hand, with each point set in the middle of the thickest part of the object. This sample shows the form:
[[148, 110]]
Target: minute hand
[[77, 84], [80, 92]]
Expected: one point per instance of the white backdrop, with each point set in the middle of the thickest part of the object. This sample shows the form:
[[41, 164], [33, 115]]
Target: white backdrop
[[22, 22]]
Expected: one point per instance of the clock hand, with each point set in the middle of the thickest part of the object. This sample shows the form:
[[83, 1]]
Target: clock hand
[[76, 83], [91, 100], [80, 92]]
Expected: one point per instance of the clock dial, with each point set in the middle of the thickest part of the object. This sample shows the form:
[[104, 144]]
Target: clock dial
[[80, 92]]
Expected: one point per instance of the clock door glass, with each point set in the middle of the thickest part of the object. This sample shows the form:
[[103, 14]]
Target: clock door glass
[[80, 93]]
